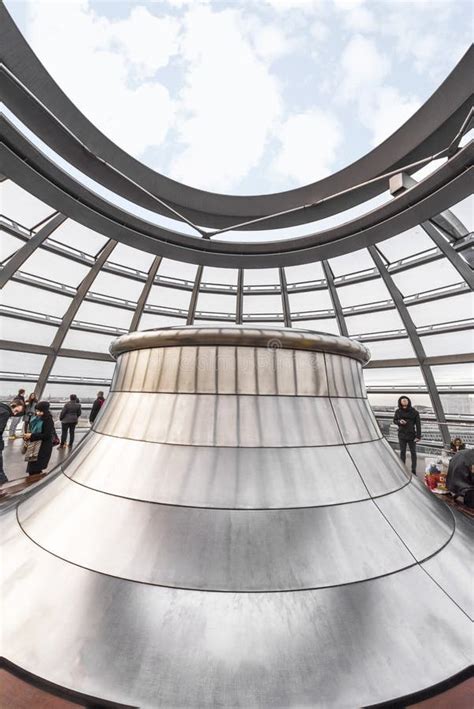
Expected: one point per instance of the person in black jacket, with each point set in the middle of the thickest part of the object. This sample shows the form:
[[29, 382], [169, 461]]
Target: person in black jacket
[[409, 429], [460, 478], [14, 408], [16, 419], [69, 417], [45, 435], [96, 406]]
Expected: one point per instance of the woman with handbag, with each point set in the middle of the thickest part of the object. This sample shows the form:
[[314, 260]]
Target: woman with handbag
[[40, 439]]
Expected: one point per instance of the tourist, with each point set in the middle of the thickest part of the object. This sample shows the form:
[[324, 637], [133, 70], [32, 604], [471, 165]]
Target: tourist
[[96, 406], [41, 430], [30, 407], [14, 408], [457, 444], [460, 478], [69, 417], [409, 429], [16, 419]]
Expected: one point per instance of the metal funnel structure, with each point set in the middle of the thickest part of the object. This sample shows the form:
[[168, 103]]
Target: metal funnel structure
[[235, 532]]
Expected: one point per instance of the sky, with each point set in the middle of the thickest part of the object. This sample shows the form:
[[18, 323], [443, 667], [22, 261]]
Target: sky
[[251, 96]]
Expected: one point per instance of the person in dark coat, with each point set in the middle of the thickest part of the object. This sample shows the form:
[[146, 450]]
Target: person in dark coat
[[30, 408], [96, 406], [16, 419], [14, 408], [69, 417], [409, 429], [460, 478], [45, 435]]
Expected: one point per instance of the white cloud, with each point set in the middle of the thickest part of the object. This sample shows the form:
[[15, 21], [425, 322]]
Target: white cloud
[[309, 142], [229, 103], [97, 62], [390, 111], [364, 67]]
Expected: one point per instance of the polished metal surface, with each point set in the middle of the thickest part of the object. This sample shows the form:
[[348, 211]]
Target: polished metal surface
[[229, 420], [233, 478], [269, 338], [235, 532], [158, 647]]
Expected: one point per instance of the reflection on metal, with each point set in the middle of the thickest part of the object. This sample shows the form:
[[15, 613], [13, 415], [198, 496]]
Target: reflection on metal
[[415, 342], [69, 315], [235, 532]]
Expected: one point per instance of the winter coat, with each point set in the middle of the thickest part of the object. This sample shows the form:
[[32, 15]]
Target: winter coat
[[5, 413], [46, 437], [412, 428], [70, 413], [460, 478], [96, 407]]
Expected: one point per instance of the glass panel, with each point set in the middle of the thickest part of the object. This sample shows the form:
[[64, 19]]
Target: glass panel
[[8, 245], [216, 323], [461, 404], [391, 349], [408, 243], [215, 303], [393, 376], [464, 211], [449, 343], [374, 322], [80, 237], [79, 368], [176, 269], [261, 323], [125, 288], [351, 263], [361, 293], [150, 321], [327, 325], [261, 276], [169, 297], [55, 268], [104, 315], [22, 207], [459, 307], [36, 300], [9, 389], [311, 300], [133, 258], [262, 304], [305, 272], [219, 275], [21, 362], [387, 403], [87, 341], [24, 331], [426, 278], [86, 393], [454, 374]]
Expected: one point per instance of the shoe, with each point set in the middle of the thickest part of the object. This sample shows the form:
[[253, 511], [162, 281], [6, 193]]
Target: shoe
[[61, 445], [11, 438]]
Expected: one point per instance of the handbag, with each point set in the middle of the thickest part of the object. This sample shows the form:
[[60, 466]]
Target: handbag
[[32, 451], [55, 440]]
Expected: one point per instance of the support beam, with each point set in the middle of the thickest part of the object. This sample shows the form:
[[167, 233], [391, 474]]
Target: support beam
[[284, 298], [240, 297], [194, 296], [144, 294], [19, 258], [336, 303], [461, 266], [415, 340], [70, 315]]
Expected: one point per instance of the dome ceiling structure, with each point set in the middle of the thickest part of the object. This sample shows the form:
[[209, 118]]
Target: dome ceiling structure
[[95, 244]]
